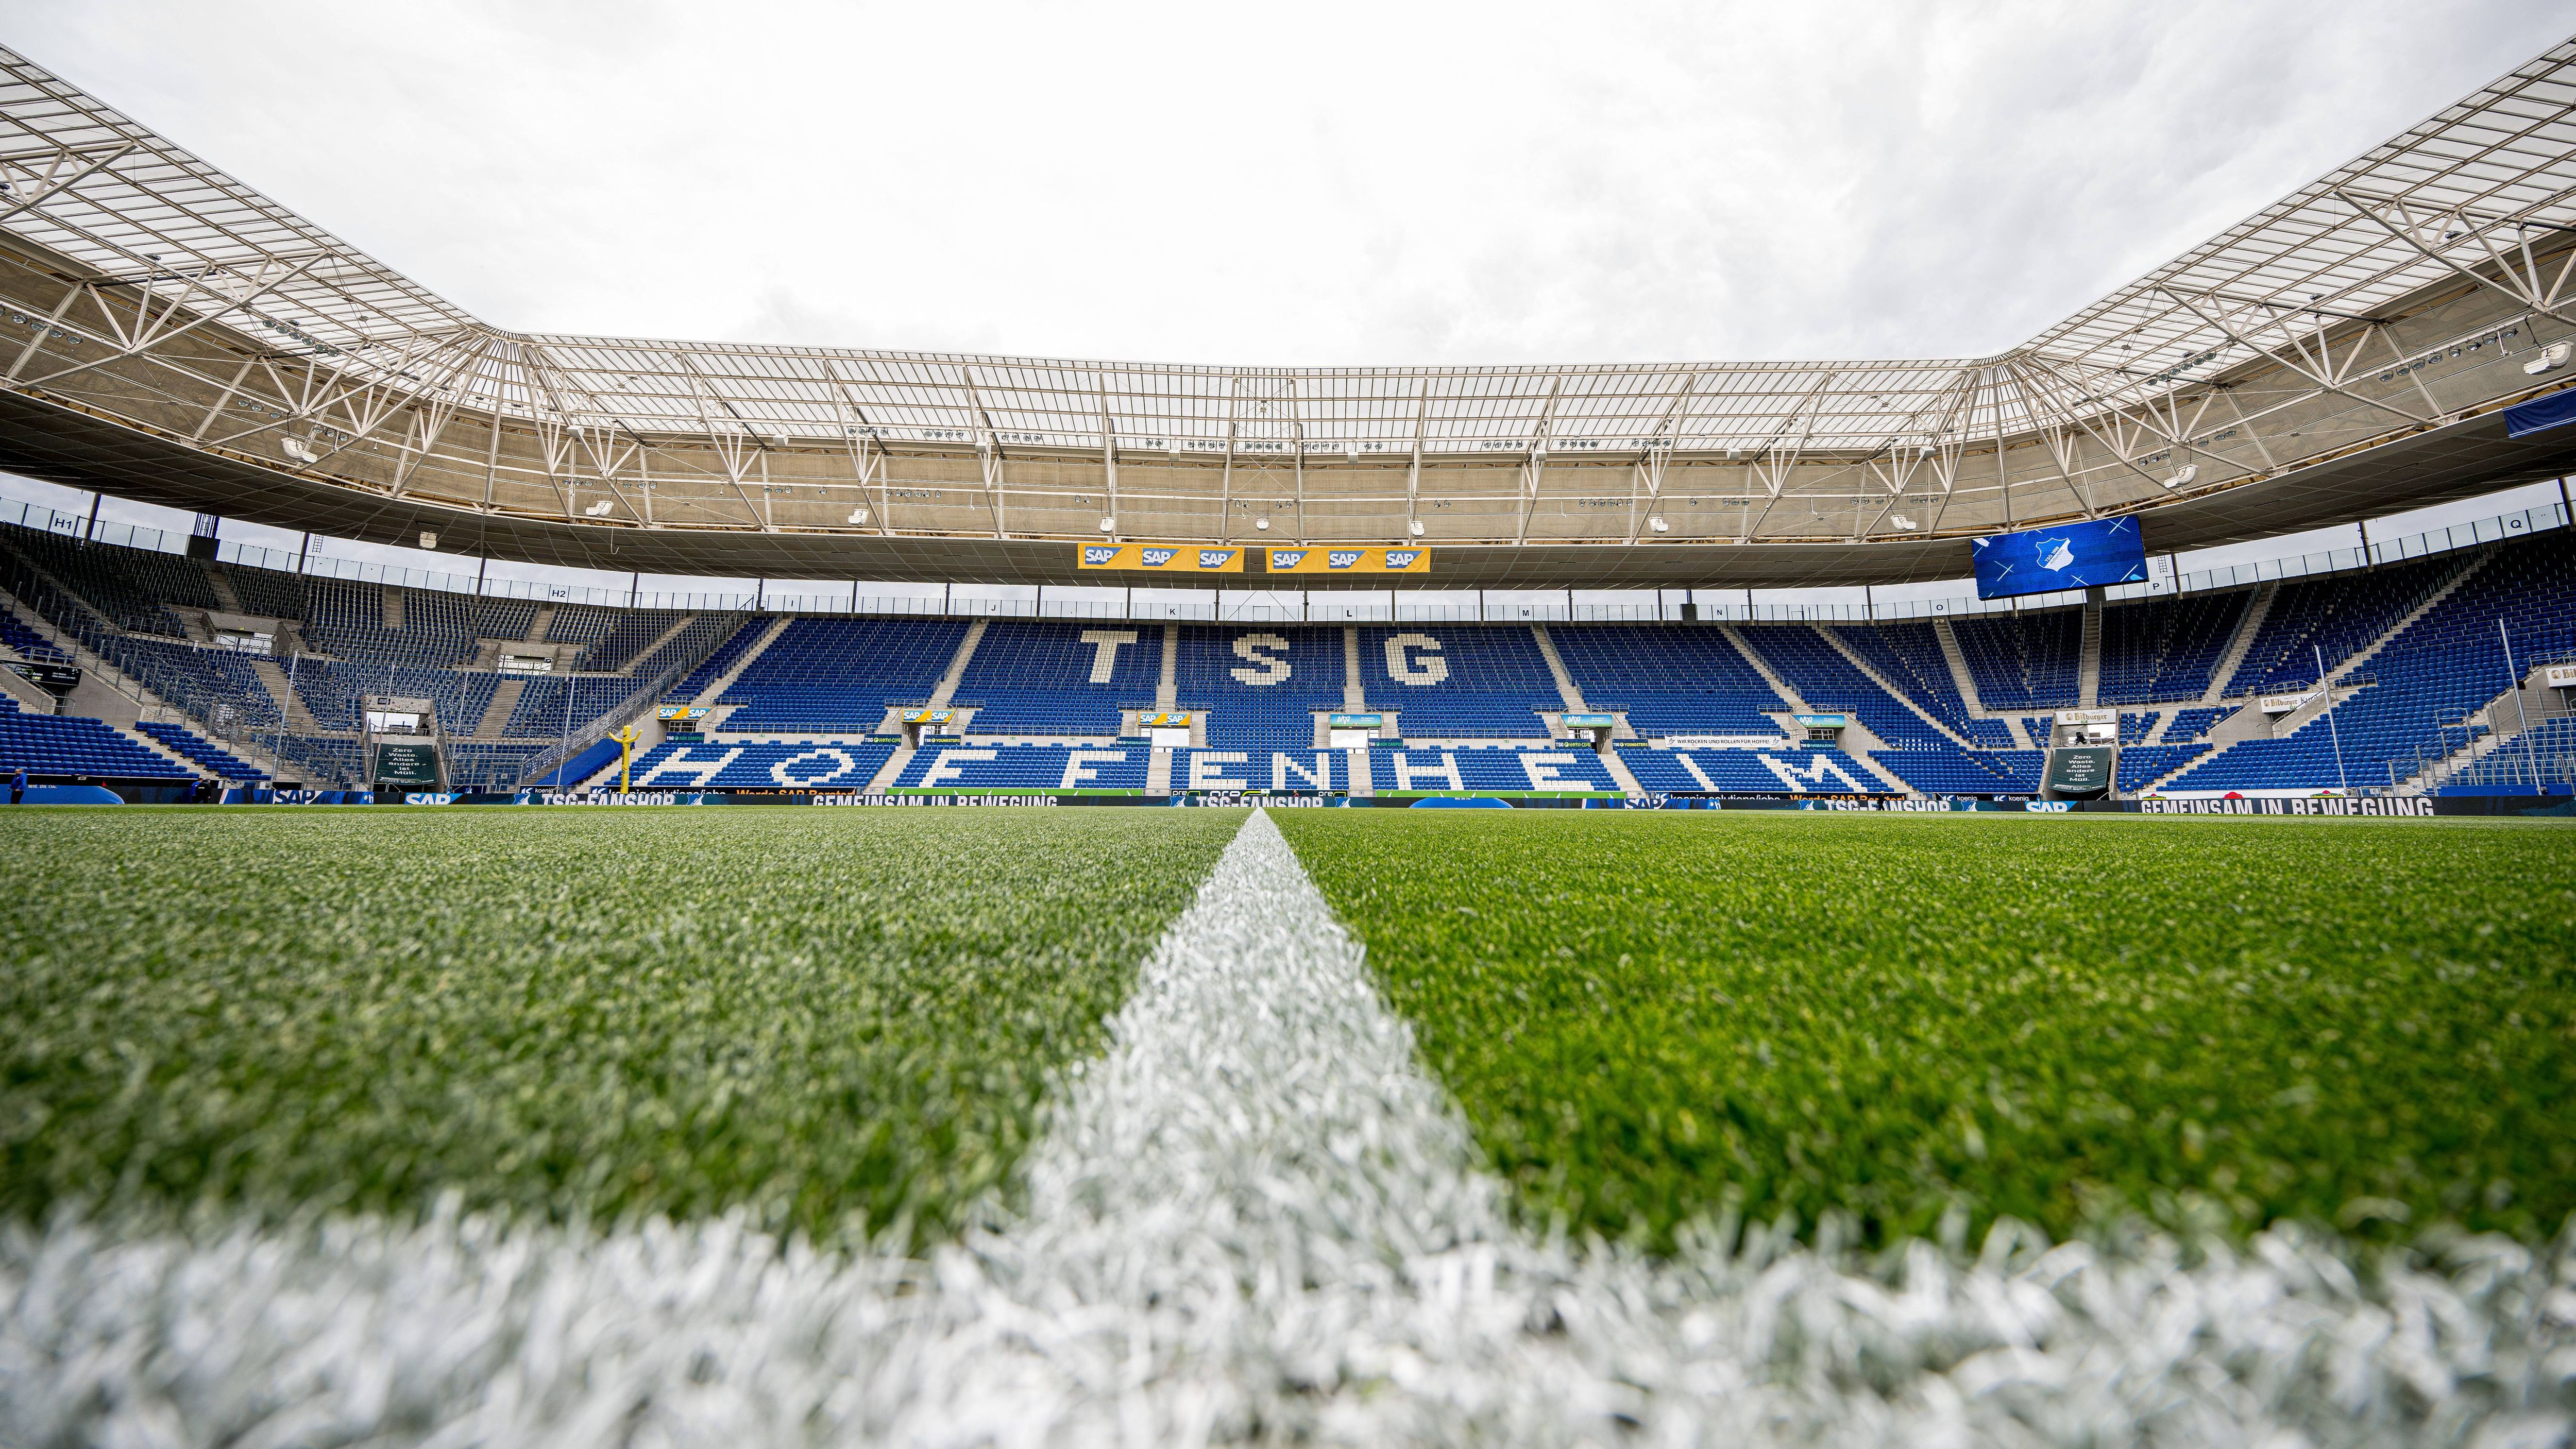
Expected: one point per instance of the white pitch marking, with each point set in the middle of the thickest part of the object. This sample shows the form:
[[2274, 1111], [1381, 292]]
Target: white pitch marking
[[1253, 1218]]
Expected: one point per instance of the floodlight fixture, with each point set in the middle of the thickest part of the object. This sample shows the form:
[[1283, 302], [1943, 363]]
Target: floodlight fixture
[[2182, 475], [1109, 525], [428, 539]]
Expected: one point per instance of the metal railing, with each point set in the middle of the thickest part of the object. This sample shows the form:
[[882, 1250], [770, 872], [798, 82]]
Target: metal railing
[[1327, 606]]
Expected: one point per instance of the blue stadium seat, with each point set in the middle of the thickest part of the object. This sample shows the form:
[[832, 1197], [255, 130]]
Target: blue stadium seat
[[840, 674], [1060, 679], [1020, 768], [1752, 772], [839, 766], [1261, 685], [1459, 681], [1669, 679], [1568, 770]]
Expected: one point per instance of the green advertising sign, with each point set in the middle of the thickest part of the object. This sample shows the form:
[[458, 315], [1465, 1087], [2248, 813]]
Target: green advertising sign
[[2080, 769], [407, 767]]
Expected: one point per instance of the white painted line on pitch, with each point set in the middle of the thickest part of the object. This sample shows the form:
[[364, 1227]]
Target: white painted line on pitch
[[1254, 1218]]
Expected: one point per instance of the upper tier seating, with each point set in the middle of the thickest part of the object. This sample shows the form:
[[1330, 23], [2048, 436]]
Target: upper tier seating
[[1459, 681], [1671, 679], [840, 674], [1826, 680], [2024, 661], [542, 702], [1049, 679], [2134, 728], [2338, 615], [839, 766], [131, 587], [205, 752], [2425, 682], [1910, 656], [2164, 649], [978, 767], [43, 744], [713, 667], [627, 637], [1570, 770], [1752, 772], [1262, 685]]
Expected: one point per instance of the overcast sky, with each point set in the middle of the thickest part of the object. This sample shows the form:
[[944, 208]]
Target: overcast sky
[[1375, 183], [1380, 183]]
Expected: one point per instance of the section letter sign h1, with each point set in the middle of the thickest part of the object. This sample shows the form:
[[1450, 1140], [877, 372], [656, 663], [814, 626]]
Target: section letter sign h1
[[1160, 558]]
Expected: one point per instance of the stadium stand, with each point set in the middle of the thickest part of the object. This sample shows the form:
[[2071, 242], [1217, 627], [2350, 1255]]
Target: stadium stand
[[1909, 656], [2192, 724], [1671, 679], [1752, 772], [1967, 772], [24, 642], [65, 746], [1262, 769], [840, 674], [1485, 768], [974, 767], [2338, 615], [2134, 728], [2024, 661], [222, 762], [1261, 687], [713, 667], [1826, 680], [2164, 649], [838, 765], [2422, 685], [1459, 682], [1059, 679], [2141, 765]]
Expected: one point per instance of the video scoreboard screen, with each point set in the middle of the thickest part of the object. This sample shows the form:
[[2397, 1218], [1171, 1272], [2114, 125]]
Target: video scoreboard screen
[[2076, 556]]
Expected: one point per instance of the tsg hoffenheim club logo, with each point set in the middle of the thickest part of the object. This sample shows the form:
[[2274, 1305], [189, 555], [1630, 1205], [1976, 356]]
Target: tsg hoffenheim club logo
[[1157, 557], [1096, 555], [2056, 553]]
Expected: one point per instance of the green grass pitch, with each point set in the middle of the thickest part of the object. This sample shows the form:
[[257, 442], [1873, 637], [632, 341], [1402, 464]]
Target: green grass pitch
[[817, 1013], [2366, 1024]]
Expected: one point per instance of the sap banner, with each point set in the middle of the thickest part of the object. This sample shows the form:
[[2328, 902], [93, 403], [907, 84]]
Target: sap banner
[[1161, 558], [2076, 556], [1350, 560]]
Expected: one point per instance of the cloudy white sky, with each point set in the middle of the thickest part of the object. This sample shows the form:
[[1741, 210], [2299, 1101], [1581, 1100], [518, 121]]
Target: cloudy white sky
[[1320, 184]]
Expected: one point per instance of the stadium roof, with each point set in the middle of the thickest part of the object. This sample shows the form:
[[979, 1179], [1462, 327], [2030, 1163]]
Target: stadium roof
[[172, 303]]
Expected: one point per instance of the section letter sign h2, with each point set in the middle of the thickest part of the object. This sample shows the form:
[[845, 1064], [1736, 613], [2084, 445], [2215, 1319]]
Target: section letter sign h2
[[1160, 558]]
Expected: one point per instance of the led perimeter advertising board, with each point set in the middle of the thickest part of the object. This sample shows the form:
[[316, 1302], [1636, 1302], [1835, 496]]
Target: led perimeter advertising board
[[2070, 556]]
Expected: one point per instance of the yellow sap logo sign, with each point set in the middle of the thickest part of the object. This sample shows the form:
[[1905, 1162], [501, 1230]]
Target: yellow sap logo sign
[[1350, 560], [1169, 558]]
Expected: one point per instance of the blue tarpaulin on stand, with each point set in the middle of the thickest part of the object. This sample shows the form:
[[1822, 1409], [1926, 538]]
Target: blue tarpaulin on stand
[[2555, 410]]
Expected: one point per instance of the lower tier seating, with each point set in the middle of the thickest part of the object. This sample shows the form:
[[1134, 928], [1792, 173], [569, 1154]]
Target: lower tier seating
[[1752, 772], [837, 765], [214, 757]]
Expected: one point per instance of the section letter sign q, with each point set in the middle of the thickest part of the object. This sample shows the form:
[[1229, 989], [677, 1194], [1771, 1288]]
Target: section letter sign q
[[1350, 560], [1161, 558]]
